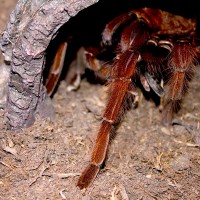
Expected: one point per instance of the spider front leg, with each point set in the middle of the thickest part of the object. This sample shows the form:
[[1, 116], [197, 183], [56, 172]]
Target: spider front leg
[[121, 72], [181, 69]]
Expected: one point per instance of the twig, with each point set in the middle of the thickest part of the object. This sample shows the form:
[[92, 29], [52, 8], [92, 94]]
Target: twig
[[186, 143]]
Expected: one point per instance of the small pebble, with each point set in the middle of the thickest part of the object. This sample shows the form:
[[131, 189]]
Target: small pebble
[[181, 163]]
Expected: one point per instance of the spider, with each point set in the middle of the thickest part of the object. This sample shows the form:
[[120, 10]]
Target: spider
[[151, 46]]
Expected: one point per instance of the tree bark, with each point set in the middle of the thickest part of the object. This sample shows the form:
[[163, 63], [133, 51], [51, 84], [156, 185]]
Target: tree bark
[[31, 27]]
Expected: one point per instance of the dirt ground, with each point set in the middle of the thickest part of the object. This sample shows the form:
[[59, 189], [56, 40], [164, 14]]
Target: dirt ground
[[145, 160]]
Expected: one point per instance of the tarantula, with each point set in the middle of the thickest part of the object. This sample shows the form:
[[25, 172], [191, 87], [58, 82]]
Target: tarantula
[[152, 44]]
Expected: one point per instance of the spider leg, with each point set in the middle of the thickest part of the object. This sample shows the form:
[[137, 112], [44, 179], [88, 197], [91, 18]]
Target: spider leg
[[76, 70], [181, 65], [121, 73], [113, 25], [99, 66], [56, 68], [86, 58]]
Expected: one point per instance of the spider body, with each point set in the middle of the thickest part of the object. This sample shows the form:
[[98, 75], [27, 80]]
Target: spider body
[[152, 44]]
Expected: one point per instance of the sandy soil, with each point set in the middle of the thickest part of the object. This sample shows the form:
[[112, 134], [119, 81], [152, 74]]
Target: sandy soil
[[145, 160]]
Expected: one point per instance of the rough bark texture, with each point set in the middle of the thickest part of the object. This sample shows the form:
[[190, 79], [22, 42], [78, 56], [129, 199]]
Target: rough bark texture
[[31, 27]]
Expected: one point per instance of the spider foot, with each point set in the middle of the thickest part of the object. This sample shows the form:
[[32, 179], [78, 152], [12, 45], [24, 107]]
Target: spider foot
[[87, 176]]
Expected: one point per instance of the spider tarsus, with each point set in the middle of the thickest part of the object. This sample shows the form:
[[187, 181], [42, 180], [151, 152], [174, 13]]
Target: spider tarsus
[[88, 176]]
